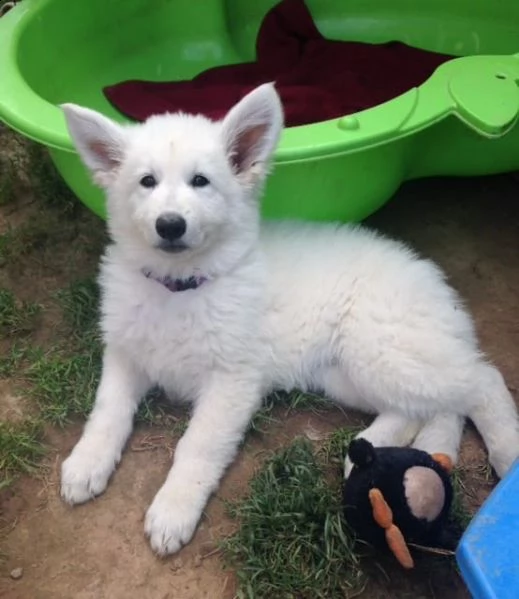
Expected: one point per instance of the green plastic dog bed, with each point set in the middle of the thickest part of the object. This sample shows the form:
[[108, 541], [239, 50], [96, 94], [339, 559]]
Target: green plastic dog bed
[[462, 121]]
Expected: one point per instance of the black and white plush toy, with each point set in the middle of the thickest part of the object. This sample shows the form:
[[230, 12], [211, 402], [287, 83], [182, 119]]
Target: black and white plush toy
[[396, 495]]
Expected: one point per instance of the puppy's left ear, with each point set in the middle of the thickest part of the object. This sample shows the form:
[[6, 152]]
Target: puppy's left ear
[[251, 131]]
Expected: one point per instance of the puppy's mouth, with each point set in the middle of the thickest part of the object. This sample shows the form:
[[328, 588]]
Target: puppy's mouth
[[172, 247]]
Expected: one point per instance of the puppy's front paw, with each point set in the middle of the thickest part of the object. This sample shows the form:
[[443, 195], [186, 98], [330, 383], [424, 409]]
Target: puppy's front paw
[[348, 467], [83, 476], [171, 521]]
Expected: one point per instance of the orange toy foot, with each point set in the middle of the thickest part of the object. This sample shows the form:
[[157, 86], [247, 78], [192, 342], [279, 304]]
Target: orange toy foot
[[384, 518], [444, 461]]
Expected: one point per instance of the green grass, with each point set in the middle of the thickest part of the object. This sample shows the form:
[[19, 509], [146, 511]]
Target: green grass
[[62, 378], [16, 317], [11, 360], [63, 382], [20, 449], [16, 244], [334, 450], [292, 541], [80, 303], [459, 512], [296, 400]]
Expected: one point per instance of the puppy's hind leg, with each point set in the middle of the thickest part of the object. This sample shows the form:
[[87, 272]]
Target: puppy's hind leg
[[85, 473], [390, 428], [494, 413], [441, 434]]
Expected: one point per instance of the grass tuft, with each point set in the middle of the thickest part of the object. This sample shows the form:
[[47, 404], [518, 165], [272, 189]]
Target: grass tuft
[[80, 303], [156, 409], [11, 360], [292, 540], [333, 451], [264, 417], [459, 511], [17, 243], [20, 449], [64, 378], [64, 383], [16, 317]]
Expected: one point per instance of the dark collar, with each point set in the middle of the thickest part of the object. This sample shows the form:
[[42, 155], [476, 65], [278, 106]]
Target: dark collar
[[176, 284]]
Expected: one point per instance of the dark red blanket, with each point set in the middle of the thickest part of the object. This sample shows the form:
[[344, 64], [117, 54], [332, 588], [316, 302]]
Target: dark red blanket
[[317, 79]]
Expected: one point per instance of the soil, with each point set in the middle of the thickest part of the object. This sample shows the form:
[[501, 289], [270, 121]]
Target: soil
[[469, 226]]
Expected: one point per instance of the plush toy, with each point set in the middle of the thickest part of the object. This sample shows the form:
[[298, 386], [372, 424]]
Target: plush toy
[[397, 495]]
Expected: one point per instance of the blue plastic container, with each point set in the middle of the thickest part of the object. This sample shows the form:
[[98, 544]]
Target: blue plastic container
[[488, 553]]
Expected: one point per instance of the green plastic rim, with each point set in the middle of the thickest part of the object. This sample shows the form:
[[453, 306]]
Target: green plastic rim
[[454, 89]]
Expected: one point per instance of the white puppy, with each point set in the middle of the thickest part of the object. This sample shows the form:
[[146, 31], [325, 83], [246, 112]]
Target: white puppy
[[196, 299]]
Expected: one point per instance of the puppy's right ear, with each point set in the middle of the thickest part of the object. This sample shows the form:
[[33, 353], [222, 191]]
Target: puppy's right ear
[[99, 141]]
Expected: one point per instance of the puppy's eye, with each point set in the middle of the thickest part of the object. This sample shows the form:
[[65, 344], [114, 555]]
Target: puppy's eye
[[148, 181], [199, 181]]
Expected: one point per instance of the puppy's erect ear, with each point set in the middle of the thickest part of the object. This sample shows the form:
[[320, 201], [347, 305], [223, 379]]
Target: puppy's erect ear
[[99, 141], [251, 131]]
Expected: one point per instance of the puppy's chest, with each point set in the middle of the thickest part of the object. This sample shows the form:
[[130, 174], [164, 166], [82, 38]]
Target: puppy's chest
[[169, 335]]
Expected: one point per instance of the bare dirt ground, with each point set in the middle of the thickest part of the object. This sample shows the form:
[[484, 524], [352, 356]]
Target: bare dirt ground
[[471, 227]]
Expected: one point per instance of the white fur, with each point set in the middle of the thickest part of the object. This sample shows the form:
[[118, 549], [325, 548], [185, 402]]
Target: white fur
[[322, 307]]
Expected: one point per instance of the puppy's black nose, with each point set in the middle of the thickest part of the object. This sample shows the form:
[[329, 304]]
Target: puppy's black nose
[[170, 226]]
